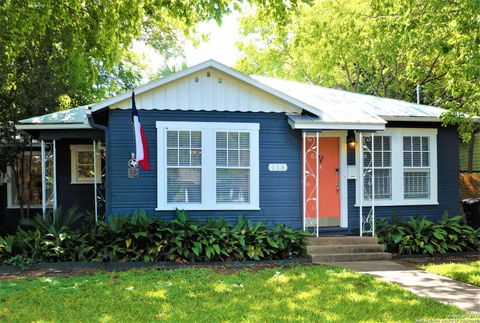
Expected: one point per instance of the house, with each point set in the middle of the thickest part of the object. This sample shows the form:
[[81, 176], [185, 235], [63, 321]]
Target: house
[[223, 144]]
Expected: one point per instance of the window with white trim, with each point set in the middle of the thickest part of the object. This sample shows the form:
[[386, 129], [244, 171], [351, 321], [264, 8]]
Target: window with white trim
[[416, 167], [405, 161], [82, 164], [207, 166], [382, 160]]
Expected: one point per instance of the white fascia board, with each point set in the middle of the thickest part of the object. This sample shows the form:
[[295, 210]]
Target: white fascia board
[[413, 119], [336, 126], [194, 69], [52, 126]]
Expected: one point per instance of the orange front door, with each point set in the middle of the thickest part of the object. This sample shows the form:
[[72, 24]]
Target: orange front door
[[321, 181]]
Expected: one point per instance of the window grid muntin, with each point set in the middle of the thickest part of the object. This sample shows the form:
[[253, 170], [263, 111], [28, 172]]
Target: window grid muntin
[[226, 166], [420, 190], [192, 150], [382, 192], [79, 164]]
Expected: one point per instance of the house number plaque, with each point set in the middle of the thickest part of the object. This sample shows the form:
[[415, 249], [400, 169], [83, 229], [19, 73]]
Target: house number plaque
[[277, 167]]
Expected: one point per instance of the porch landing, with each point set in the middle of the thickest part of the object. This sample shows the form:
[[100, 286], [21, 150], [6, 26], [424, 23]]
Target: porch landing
[[345, 248]]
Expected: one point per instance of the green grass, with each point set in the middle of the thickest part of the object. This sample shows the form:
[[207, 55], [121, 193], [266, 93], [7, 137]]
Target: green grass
[[465, 272], [303, 293]]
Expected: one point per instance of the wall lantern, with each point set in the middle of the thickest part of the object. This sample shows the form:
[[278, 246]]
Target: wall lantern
[[351, 139]]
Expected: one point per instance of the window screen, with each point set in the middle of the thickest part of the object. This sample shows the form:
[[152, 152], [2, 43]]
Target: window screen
[[382, 160]]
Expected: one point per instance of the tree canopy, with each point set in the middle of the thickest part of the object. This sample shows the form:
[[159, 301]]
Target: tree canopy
[[379, 47]]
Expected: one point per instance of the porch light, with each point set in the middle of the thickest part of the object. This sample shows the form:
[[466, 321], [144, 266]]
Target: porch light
[[351, 139]]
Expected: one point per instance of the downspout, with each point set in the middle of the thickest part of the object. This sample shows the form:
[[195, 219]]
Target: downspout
[[107, 158]]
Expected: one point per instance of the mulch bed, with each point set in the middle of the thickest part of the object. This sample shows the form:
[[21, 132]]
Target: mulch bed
[[87, 268]]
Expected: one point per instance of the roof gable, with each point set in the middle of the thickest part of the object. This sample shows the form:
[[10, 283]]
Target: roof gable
[[240, 93]]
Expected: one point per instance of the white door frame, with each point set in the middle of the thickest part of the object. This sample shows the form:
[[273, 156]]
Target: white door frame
[[342, 136]]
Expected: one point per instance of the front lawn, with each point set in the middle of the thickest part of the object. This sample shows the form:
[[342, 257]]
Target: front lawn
[[307, 293], [465, 272]]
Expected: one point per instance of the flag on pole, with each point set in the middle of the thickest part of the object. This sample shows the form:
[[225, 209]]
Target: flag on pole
[[141, 146]]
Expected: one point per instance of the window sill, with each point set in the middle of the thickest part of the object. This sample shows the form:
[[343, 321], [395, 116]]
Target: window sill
[[208, 208], [17, 207], [399, 203], [86, 182]]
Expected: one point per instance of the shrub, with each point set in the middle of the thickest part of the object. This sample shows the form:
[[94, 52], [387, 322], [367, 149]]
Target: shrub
[[421, 236], [142, 238]]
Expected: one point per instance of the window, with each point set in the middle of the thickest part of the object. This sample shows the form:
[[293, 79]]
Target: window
[[416, 167], [82, 164], [405, 163], [233, 167], [207, 166], [382, 160], [34, 198], [184, 166]]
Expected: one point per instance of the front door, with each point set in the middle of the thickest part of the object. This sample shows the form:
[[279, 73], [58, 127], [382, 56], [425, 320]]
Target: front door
[[321, 181]]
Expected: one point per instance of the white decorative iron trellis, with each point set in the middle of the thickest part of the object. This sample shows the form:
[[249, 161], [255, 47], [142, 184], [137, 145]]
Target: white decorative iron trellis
[[99, 182], [310, 181], [367, 183], [49, 176]]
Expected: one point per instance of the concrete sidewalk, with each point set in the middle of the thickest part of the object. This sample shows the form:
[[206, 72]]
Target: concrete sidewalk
[[422, 283]]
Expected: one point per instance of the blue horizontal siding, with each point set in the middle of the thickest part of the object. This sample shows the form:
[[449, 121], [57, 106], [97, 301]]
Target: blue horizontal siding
[[280, 192]]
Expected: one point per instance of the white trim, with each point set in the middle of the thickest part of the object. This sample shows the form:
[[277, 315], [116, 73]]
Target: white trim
[[342, 142], [397, 167], [52, 126], [319, 125], [194, 69], [411, 118], [208, 185], [74, 149]]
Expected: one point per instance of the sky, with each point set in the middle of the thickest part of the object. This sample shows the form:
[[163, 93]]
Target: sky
[[220, 46]]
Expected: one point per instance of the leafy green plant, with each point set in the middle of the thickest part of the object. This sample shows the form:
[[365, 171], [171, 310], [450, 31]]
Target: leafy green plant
[[421, 236]]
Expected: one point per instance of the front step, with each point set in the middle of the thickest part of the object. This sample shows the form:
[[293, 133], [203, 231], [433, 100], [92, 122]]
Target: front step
[[358, 248], [363, 256], [345, 248], [341, 240]]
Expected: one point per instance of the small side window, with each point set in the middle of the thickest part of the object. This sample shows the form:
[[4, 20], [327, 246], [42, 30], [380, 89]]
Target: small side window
[[82, 164]]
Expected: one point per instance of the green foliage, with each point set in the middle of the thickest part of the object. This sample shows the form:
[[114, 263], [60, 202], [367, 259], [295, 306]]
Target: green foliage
[[422, 236], [140, 238], [384, 48], [466, 272]]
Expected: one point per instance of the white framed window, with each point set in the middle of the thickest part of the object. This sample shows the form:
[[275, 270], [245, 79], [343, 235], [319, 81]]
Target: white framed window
[[207, 166], [34, 198], [405, 167], [382, 159], [82, 164]]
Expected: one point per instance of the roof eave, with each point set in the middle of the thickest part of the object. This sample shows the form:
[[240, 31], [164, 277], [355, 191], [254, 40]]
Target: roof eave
[[336, 125], [52, 126]]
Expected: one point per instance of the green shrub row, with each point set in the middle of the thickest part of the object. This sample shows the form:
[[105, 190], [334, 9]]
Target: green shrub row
[[422, 236], [141, 238]]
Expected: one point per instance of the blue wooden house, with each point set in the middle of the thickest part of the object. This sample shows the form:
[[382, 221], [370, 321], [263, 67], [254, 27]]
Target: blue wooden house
[[224, 144]]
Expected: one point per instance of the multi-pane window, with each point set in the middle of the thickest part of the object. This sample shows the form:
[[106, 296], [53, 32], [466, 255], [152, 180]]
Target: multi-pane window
[[184, 166], [29, 179], [207, 166], [416, 167], [382, 162], [82, 165], [232, 167]]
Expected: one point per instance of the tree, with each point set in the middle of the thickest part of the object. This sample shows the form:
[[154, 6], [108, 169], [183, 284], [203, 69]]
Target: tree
[[380, 47], [57, 54]]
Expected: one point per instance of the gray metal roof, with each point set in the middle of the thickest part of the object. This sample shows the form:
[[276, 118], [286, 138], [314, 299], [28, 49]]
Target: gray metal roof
[[75, 118], [343, 106]]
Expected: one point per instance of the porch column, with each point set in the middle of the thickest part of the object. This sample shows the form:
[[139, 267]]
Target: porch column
[[98, 182], [49, 176]]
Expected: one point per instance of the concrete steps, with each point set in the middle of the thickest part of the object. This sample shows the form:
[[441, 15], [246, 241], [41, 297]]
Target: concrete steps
[[345, 248]]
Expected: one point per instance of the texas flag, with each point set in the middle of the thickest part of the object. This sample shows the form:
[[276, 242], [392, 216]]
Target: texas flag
[[141, 146]]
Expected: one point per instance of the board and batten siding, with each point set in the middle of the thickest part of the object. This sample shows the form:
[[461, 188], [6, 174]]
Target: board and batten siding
[[448, 182], [280, 192], [208, 90]]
